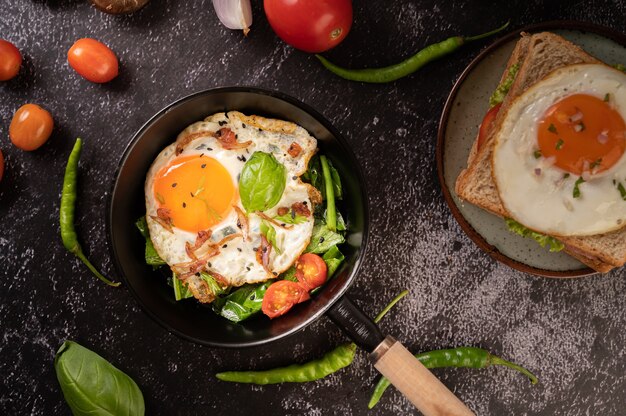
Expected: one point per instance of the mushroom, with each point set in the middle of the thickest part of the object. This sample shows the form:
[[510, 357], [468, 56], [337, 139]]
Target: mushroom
[[119, 6]]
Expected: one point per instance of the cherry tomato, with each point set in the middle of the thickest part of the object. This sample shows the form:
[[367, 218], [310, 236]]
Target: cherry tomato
[[93, 60], [310, 25], [1, 165], [485, 126], [10, 60], [281, 296], [31, 127], [311, 271]]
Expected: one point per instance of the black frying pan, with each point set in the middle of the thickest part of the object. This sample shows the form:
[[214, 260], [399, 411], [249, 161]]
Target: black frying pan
[[193, 321]]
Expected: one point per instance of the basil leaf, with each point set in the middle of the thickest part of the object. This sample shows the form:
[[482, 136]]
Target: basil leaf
[[150, 253], [92, 386], [270, 235], [262, 182], [323, 239], [241, 303], [543, 240], [333, 258]]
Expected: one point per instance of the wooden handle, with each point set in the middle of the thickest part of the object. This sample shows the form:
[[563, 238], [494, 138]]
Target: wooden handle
[[414, 380]]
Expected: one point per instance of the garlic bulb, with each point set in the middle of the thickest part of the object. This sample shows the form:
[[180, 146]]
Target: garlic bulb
[[234, 14]]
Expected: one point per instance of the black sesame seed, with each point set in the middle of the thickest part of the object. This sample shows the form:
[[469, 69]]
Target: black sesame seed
[[247, 268], [321, 240], [225, 245], [282, 225], [305, 202], [236, 136], [203, 165], [255, 249], [198, 274], [238, 249], [243, 125], [191, 193], [209, 264], [184, 205], [209, 149], [294, 177], [252, 297], [174, 185], [275, 274], [261, 130]]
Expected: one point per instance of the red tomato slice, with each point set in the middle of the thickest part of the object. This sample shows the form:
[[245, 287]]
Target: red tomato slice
[[93, 60], [310, 25], [10, 60], [281, 296], [485, 126], [311, 271]]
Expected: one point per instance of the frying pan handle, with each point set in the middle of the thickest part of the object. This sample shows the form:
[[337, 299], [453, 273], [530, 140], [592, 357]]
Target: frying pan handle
[[415, 381], [358, 326]]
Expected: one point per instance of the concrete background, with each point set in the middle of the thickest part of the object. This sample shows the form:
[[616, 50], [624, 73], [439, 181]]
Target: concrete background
[[569, 332]]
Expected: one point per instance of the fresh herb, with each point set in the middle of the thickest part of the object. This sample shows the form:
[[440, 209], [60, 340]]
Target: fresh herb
[[269, 232], [323, 238], [607, 97], [552, 129], [93, 386], [576, 191], [290, 218], [341, 224], [214, 287], [559, 144], [314, 176], [242, 303], [537, 154], [262, 182], [543, 240], [595, 163], [622, 191], [152, 257], [503, 89]]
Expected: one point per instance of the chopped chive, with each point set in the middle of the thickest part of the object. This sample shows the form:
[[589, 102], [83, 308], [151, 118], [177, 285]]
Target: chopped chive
[[552, 128], [607, 97], [559, 144], [576, 192], [596, 163], [537, 154], [622, 191]]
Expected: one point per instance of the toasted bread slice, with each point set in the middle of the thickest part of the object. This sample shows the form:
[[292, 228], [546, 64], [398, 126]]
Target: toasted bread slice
[[537, 55]]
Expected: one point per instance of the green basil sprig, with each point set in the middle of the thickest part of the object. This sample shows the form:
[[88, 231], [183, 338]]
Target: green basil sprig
[[93, 386], [262, 182]]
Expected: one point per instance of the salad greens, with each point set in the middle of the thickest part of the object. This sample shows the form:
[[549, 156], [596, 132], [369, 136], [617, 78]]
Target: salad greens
[[242, 303], [262, 182], [503, 89], [261, 186], [93, 386], [543, 240]]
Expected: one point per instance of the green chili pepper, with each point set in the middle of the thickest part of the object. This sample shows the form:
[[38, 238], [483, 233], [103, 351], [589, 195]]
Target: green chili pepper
[[68, 205], [408, 66], [462, 357], [329, 363]]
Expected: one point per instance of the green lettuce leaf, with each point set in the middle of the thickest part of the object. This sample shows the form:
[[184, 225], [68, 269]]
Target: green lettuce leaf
[[543, 240]]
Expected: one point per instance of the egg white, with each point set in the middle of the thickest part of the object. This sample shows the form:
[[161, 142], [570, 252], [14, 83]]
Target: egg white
[[236, 260], [544, 202]]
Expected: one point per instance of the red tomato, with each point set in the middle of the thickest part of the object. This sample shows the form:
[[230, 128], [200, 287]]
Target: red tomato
[[310, 25], [311, 271], [31, 127], [1, 165], [93, 60], [10, 60], [485, 126], [281, 296]]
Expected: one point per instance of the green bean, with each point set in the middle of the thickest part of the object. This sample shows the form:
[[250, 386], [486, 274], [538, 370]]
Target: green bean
[[462, 357], [331, 362], [331, 212], [408, 66], [68, 206]]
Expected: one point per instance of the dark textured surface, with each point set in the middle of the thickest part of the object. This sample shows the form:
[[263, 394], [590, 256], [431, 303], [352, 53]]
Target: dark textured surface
[[571, 333]]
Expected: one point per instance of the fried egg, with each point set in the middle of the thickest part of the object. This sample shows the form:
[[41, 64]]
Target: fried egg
[[559, 158], [195, 216]]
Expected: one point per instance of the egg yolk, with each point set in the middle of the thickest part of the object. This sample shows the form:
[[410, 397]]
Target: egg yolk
[[197, 191], [582, 133]]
